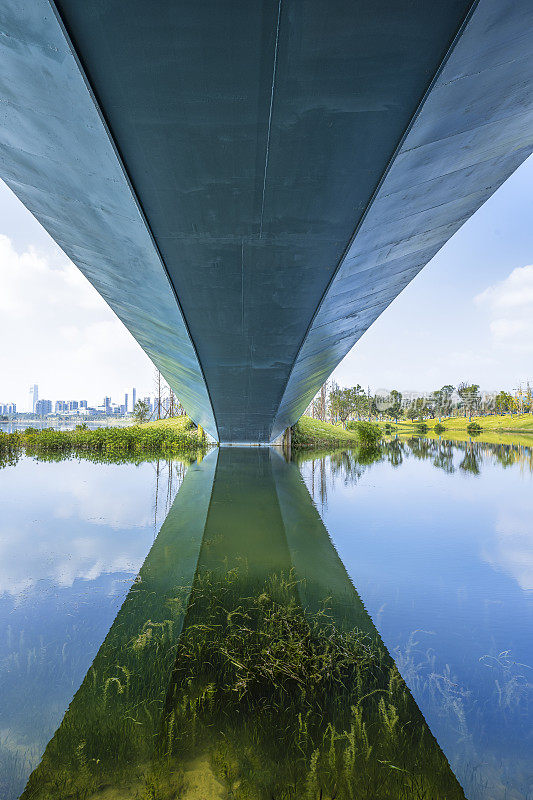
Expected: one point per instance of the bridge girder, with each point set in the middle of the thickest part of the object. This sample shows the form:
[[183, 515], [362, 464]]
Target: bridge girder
[[250, 184]]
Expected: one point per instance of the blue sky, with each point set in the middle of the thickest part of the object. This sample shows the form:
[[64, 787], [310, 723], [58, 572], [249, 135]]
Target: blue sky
[[467, 316]]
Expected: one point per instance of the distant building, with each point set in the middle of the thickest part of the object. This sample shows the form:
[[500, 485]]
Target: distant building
[[73, 405], [107, 405], [83, 404], [148, 402], [34, 396], [8, 408], [126, 401], [133, 398], [60, 406], [43, 407]]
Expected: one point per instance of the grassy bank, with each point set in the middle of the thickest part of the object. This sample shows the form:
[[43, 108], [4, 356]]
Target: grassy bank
[[494, 423], [494, 429], [163, 437], [312, 433]]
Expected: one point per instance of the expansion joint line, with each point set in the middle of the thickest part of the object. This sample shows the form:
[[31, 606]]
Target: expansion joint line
[[272, 88], [444, 60]]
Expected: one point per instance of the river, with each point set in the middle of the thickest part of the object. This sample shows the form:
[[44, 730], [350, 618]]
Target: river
[[341, 625]]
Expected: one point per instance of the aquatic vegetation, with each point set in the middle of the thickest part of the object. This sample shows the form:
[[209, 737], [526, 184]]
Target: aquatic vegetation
[[274, 701], [289, 704], [244, 665], [131, 441]]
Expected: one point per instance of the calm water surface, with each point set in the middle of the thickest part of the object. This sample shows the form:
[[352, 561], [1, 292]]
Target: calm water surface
[[357, 625]]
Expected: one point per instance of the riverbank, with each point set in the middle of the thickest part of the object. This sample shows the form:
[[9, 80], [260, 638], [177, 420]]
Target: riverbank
[[493, 423], [494, 429], [312, 433], [165, 437]]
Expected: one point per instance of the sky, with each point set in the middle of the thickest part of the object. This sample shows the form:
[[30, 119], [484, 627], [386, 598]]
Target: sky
[[468, 316]]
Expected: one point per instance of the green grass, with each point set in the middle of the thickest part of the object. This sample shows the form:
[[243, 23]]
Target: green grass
[[515, 423], [163, 437], [310, 432], [495, 429]]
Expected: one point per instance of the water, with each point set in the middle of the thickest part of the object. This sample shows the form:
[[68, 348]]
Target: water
[[13, 425], [354, 625]]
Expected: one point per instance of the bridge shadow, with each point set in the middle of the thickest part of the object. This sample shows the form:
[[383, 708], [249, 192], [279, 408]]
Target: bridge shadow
[[243, 664]]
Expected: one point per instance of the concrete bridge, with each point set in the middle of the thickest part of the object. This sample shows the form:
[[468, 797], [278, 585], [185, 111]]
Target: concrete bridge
[[250, 183]]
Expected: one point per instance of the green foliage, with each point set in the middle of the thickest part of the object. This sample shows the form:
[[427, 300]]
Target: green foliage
[[504, 402], [441, 399], [312, 433], [368, 433], [439, 428], [288, 705], [343, 402], [141, 412], [474, 429], [135, 440], [421, 427], [469, 394]]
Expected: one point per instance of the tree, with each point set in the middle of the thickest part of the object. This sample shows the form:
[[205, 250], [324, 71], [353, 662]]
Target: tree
[[389, 404], [504, 402], [469, 394], [343, 402], [395, 409], [442, 399], [141, 412], [158, 386]]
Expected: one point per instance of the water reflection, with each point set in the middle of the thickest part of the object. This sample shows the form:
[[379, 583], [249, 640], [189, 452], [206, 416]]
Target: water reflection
[[329, 468], [241, 661], [243, 664], [438, 538], [73, 535]]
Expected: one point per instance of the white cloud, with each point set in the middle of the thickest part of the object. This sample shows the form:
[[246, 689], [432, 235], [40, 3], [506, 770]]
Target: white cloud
[[510, 307], [56, 330], [78, 520], [512, 549]]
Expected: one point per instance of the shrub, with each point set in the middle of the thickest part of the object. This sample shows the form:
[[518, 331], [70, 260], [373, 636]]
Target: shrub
[[421, 427], [439, 428], [369, 434], [473, 428]]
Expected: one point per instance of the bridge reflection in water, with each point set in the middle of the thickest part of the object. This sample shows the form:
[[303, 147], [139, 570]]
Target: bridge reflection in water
[[243, 664]]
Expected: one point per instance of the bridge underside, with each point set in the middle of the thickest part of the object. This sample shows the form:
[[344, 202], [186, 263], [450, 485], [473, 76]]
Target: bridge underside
[[250, 183]]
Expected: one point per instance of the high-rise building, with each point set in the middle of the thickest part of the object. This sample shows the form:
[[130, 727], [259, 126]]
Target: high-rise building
[[43, 407], [73, 405], [126, 402], [34, 396], [133, 398], [59, 406], [107, 405], [83, 404]]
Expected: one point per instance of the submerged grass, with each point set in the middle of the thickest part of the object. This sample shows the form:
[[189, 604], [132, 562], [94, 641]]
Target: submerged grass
[[273, 702], [288, 704]]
